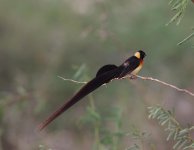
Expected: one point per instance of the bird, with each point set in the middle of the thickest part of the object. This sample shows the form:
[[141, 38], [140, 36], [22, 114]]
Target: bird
[[104, 75]]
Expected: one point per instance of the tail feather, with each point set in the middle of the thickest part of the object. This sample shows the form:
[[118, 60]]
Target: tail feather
[[85, 90]]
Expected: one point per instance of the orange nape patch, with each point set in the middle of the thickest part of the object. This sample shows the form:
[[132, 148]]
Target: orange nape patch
[[137, 54]]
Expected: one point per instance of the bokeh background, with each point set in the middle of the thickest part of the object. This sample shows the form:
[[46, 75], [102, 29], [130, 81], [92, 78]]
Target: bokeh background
[[43, 39]]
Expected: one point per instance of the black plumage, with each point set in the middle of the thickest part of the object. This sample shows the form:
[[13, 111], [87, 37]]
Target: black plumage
[[104, 75]]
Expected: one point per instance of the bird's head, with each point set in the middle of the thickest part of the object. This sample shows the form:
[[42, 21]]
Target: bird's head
[[140, 54]]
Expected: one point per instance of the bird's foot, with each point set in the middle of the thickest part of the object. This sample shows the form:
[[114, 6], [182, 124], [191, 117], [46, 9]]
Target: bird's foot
[[133, 77]]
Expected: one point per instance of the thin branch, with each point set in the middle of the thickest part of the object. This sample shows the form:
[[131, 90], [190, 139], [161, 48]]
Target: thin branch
[[167, 84], [78, 82], [143, 78]]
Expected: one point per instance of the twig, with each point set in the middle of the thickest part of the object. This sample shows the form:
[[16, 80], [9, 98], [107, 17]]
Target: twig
[[78, 82], [167, 84], [143, 78]]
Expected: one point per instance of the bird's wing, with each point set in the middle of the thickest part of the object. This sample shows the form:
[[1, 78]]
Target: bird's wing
[[129, 65], [99, 80], [105, 69]]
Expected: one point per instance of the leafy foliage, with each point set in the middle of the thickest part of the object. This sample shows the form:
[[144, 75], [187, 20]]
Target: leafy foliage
[[179, 6], [104, 137], [180, 135], [42, 39], [139, 136]]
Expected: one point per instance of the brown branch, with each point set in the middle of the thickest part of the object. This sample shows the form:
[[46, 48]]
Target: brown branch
[[167, 84], [143, 78]]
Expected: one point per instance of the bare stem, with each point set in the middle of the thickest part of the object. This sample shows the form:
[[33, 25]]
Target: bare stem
[[79, 82], [167, 84], [144, 78]]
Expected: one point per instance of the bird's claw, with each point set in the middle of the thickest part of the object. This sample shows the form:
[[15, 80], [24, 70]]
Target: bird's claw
[[133, 77]]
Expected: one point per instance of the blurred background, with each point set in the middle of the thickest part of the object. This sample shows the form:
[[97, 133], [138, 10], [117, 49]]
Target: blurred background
[[43, 39]]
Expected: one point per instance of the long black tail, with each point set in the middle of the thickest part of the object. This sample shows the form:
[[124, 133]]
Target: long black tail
[[85, 90]]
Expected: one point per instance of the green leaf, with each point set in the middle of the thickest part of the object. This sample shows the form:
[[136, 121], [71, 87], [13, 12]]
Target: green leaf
[[177, 144], [183, 132], [189, 147], [182, 144], [170, 135]]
